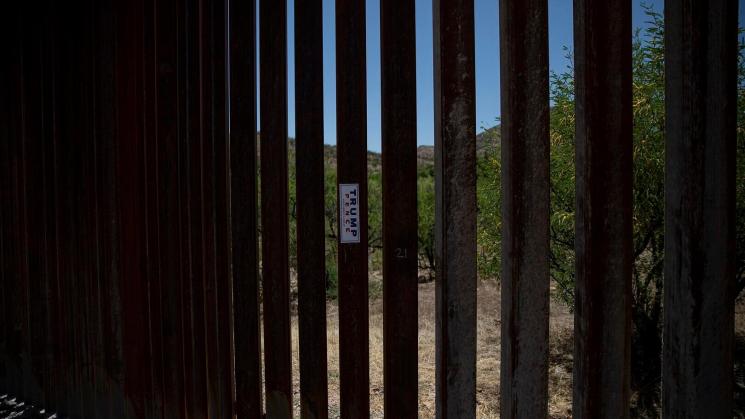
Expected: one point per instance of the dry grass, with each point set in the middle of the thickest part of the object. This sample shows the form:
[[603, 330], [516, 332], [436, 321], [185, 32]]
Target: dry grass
[[487, 391]]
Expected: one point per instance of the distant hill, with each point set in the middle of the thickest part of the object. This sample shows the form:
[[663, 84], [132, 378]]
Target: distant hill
[[484, 141], [425, 153]]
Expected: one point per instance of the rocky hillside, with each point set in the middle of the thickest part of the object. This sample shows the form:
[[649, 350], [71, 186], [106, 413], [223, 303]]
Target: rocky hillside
[[425, 153]]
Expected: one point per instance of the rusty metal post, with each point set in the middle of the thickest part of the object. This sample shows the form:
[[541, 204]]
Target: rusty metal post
[[455, 208], [111, 403], [5, 273], [53, 73], [173, 276], [13, 291], [90, 250], [244, 207], [701, 87], [130, 152], [209, 130], [96, 404], [525, 208], [32, 116], [24, 139], [78, 134], [51, 77], [64, 327], [311, 235], [48, 233], [603, 245], [223, 249], [274, 208], [87, 245], [351, 127], [185, 122], [400, 253], [152, 201], [198, 347]]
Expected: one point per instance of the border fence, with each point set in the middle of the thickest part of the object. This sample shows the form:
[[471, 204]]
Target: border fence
[[130, 262]]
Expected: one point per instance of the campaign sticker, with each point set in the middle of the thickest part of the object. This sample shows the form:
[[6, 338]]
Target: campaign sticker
[[349, 213]]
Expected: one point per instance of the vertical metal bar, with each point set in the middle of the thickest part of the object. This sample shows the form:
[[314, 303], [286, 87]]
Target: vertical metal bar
[[73, 127], [52, 64], [64, 93], [274, 208], [525, 208], [80, 172], [208, 131], [603, 244], [33, 131], [196, 195], [24, 138], [244, 207], [400, 255], [223, 248], [89, 214], [152, 199], [12, 291], [311, 236], [111, 403], [75, 278], [49, 203], [84, 304], [171, 266], [189, 144], [131, 184], [351, 128], [96, 245], [32, 134], [701, 87], [5, 273], [78, 273], [48, 228], [455, 208], [184, 377], [68, 231]]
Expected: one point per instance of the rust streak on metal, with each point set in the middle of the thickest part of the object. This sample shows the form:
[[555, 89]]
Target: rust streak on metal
[[400, 253], [351, 128], [455, 208], [525, 208], [603, 243], [244, 207], [311, 237], [274, 209], [701, 49]]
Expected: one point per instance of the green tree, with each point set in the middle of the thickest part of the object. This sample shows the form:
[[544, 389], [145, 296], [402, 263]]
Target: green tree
[[426, 218], [489, 203], [648, 200]]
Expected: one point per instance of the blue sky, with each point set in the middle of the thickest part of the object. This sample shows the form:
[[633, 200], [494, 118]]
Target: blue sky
[[487, 62]]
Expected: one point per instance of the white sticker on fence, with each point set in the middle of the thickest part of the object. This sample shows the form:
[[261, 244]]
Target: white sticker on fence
[[349, 212]]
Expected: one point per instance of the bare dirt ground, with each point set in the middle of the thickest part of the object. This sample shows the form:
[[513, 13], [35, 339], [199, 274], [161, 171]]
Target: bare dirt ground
[[488, 360], [488, 357], [487, 391]]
